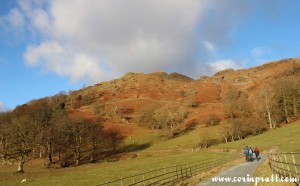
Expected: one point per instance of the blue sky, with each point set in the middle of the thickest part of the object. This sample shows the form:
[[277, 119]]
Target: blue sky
[[52, 46]]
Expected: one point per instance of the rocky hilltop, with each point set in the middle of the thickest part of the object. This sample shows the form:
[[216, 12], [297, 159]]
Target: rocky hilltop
[[123, 100]]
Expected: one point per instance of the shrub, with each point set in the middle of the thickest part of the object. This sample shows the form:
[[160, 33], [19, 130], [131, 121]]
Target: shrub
[[194, 104], [191, 124], [212, 120]]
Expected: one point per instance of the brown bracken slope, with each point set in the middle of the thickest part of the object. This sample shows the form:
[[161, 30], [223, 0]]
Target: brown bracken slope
[[125, 98]]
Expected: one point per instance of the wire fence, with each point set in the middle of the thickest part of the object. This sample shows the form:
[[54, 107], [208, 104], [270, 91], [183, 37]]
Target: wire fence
[[285, 164], [173, 174]]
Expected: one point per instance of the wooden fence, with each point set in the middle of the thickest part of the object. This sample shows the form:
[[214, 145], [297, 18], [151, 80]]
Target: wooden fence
[[171, 175], [285, 164]]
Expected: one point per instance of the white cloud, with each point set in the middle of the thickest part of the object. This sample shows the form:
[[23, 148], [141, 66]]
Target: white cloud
[[261, 54], [209, 46], [13, 21], [121, 36], [3, 108], [54, 57], [224, 64], [99, 40]]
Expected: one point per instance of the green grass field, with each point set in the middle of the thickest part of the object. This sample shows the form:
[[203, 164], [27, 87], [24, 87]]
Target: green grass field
[[286, 139], [92, 174], [151, 151], [159, 142]]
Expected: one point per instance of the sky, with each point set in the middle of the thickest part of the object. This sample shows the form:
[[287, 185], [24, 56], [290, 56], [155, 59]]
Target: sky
[[60, 45]]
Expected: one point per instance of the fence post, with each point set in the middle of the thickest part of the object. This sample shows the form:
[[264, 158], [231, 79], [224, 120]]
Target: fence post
[[282, 166], [176, 173], [277, 164], [172, 178], [152, 178], [181, 172], [121, 181], [271, 159], [165, 175], [170, 174], [186, 173], [288, 167], [294, 161]]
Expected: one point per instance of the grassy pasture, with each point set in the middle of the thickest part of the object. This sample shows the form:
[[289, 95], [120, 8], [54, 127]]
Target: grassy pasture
[[151, 150], [92, 174], [286, 139]]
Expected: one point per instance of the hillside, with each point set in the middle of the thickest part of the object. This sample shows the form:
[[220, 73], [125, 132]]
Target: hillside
[[122, 101], [153, 120]]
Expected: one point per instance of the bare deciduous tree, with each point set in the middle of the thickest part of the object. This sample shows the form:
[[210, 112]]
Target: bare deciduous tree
[[95, 136], [287, 96]]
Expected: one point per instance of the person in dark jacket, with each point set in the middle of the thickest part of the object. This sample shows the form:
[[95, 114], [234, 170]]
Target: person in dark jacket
[[246, 152], [256, 152]]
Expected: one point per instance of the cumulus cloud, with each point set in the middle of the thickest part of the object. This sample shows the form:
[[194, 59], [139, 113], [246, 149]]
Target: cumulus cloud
[[261, 54], [14, 21], [223, 64], [100, 40]]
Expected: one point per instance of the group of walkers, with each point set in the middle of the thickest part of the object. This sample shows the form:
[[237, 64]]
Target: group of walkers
[[248, 152]]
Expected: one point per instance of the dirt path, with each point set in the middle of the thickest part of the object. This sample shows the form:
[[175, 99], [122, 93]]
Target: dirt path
[[243, 170]]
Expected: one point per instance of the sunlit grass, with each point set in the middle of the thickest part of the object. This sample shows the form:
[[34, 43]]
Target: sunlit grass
[[92, 174], [160, 152], [286, 139]]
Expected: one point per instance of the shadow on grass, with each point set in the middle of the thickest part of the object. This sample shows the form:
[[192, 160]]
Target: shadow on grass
[[136, 147], [100, 156]]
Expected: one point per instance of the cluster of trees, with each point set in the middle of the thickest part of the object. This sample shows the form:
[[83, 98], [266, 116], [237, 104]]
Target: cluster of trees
[[167, 117], [42, 128], [284, 101], [275, 104], [280, 102]]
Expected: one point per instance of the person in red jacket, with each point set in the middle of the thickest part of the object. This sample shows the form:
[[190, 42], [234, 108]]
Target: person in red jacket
[[256, 152]]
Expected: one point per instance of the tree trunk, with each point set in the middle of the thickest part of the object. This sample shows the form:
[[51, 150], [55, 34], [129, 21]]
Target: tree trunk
[[77, 161], [41, 151], [270, 119], [93, 151], [77, 155], [171, 130], [295, 104], [59, 153], [49, 149], [3, 147], [274, 124], [226, 140], [92, 155], [232, 138], [240, 138], [21, 165], [285, 109]]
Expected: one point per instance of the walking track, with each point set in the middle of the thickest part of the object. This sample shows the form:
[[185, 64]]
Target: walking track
[[243, 170]]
